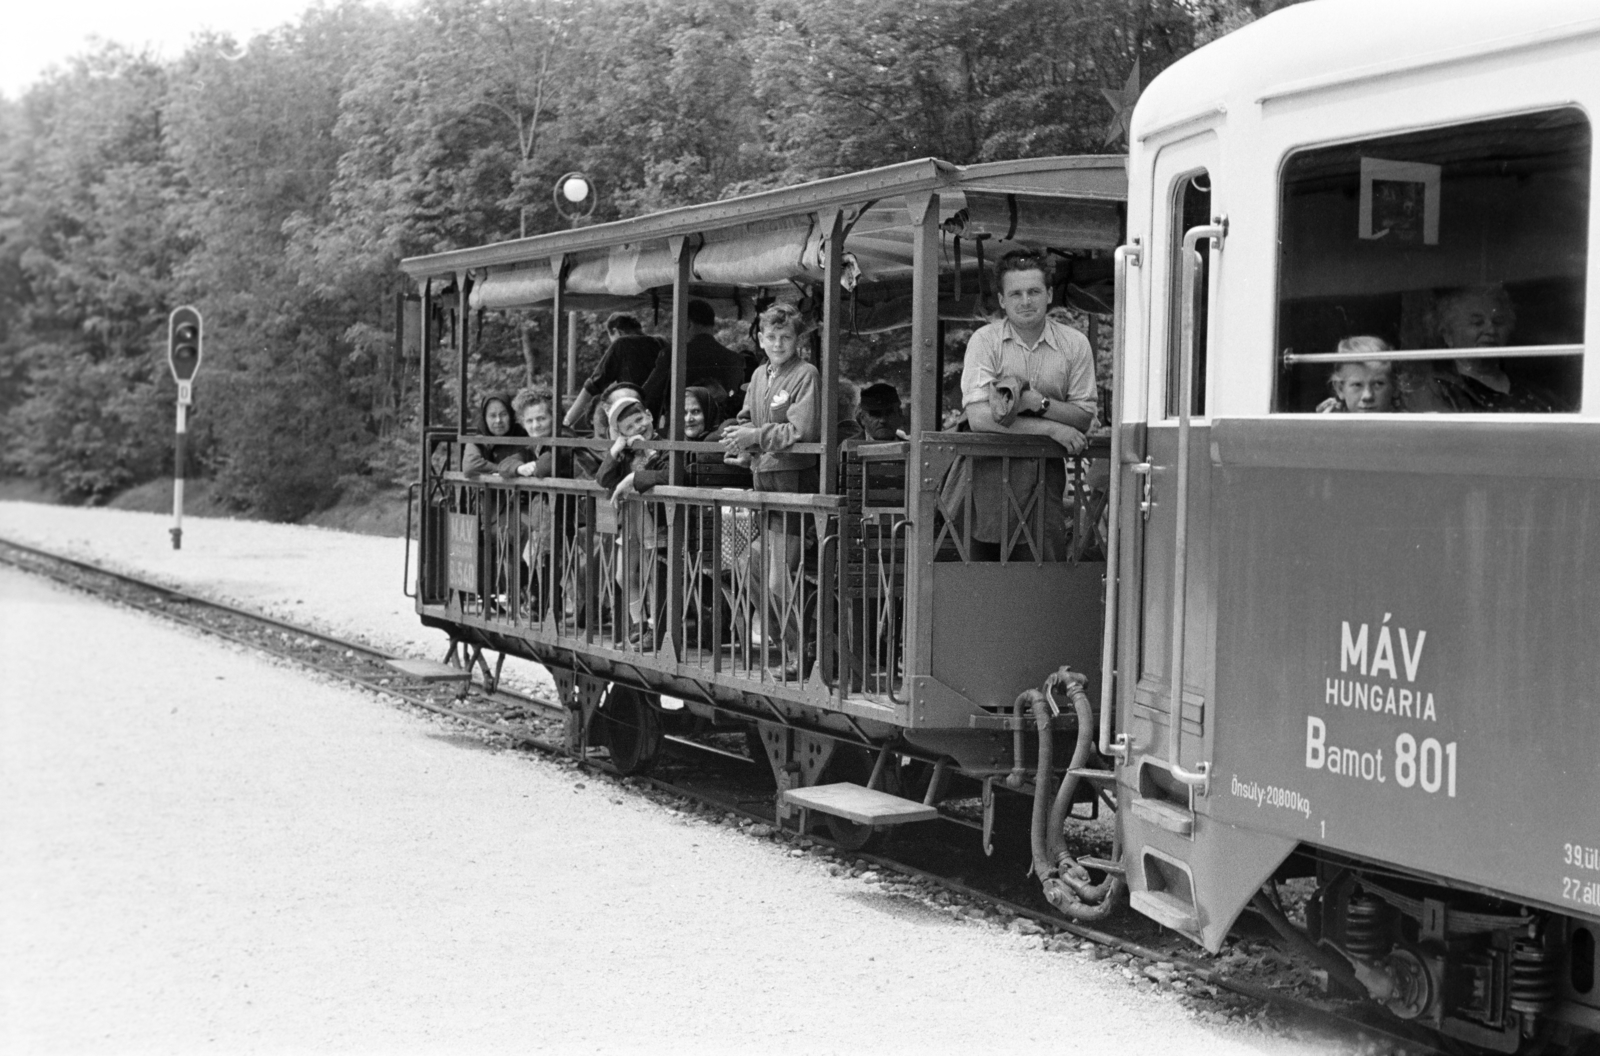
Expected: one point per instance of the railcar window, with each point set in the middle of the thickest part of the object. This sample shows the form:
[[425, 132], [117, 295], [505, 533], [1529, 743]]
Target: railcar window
[[1191, 207], [1468, 241]]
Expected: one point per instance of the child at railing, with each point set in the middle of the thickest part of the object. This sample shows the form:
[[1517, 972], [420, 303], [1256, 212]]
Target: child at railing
[[780, 411], [702, 469], [535, 410], [494, 419], [498, 519], [641, 538]]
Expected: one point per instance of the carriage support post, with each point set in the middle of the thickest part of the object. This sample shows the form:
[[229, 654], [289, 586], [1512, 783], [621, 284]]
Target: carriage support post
[[921, 495], [557, 310], [463, 414], [677, 514]]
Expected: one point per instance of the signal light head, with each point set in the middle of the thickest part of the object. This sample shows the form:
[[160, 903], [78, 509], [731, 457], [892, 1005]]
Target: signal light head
[[184, 347]]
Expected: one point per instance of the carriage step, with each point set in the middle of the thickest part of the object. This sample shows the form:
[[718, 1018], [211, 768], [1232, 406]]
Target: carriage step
[[430, 670], [857, 803], [1105, 865], [1105, 778], [1166, 910], [1164, 815]]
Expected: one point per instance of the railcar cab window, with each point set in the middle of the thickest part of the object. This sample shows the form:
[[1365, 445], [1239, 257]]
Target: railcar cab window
[[1437, 271]]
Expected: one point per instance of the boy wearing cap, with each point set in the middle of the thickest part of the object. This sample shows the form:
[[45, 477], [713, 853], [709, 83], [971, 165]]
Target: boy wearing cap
[[638, 572]]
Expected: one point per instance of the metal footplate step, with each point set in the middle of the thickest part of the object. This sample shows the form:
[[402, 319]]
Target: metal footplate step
[[1164, 815], [1166, 909], [430, 670], [857, 803]]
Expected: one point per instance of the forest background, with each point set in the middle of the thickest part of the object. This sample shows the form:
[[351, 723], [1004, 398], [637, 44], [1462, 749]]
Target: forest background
[[278, 186]]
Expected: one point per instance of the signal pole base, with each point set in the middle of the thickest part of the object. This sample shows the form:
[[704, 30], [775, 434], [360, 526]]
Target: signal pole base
[[177, 537]]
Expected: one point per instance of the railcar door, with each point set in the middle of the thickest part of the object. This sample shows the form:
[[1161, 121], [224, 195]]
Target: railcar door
[[1176, 560], [1168, 632]]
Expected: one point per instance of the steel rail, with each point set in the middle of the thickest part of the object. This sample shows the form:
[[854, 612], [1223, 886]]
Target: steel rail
[[499, 696], [188, 597]]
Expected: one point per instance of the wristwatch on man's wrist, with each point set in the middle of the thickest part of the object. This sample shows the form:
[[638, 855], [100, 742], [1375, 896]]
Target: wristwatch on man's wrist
[[1044, 406]]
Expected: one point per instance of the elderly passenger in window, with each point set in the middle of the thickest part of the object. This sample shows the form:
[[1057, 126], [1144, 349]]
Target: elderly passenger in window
[[1472, 317]]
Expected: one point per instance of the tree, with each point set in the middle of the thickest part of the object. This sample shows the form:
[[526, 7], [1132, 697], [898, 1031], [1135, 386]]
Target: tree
[[87, 189]]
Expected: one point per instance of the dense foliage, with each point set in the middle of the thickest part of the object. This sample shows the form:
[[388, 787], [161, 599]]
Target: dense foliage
[[279, 188]]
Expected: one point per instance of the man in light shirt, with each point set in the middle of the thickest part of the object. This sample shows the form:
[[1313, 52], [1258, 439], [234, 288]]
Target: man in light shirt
[[1032, 375]]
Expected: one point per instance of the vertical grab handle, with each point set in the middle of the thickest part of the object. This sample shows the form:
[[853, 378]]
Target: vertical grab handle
[[896, 640], [1131, 255], [1192, 262], [405, 582]]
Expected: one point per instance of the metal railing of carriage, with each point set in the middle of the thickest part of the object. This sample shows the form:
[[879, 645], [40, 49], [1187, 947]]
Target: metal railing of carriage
[[715, 577]]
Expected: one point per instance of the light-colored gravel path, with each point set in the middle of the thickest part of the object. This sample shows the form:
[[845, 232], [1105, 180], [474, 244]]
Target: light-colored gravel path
[[204, 850]]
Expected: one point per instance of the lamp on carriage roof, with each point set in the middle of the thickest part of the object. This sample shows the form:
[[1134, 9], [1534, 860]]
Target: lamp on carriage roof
[[575, 189], [575, 197]]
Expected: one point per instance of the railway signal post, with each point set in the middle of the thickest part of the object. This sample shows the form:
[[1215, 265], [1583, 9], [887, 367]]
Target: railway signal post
[[183, 357]]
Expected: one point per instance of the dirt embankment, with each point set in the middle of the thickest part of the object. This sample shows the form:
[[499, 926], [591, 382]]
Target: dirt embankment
[[379, 513]]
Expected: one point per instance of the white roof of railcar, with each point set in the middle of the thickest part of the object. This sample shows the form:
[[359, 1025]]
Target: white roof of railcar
[[1327, 43]]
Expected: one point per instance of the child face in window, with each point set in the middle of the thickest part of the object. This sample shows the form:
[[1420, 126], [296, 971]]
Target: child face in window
[[637, 424], [1365, 388], [694, 418], [497, 416], [780, 342]]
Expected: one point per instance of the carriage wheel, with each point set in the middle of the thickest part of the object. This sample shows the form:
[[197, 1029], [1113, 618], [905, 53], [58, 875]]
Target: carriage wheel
[[633, 729], [854, 764]]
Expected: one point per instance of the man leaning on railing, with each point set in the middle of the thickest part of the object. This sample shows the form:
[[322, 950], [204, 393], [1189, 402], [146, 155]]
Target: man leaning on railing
[[1031, 375]]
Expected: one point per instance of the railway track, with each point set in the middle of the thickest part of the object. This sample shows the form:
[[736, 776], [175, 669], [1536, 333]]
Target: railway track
[[724, 785]]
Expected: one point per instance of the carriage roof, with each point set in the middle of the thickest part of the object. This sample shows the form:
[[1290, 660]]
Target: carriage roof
[[1330, 45], [777, 238]]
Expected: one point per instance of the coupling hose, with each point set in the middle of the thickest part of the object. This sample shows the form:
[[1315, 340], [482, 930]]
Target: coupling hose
[[1066, 883]]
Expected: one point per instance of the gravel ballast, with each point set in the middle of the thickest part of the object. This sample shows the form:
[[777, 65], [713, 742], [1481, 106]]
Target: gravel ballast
[[206, 849]]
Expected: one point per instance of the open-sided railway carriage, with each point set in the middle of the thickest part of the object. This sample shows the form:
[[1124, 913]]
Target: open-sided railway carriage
[[910, 650], [1384, 626]]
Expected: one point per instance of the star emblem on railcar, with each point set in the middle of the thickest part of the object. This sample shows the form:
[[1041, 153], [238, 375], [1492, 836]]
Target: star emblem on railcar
[[1122, 101]]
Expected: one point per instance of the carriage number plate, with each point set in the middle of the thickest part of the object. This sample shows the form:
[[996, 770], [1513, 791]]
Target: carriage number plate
[[463, 563]]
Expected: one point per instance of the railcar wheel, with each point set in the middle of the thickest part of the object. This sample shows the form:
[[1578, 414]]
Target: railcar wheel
[[633, 729], [853, 764]]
